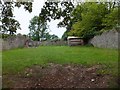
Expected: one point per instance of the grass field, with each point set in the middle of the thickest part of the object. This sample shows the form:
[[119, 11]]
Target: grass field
[[16, 60]]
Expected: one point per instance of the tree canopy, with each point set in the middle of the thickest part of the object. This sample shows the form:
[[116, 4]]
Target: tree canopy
[[37, 28], [86, 19], [9, 24], [94, 18]]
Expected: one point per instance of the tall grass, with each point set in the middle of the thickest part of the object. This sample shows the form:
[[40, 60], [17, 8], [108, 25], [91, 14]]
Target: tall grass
[[18, 59]]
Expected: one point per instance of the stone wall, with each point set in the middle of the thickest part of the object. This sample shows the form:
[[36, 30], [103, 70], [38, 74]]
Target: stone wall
[[107, 39], [18, 41], [13, 42], [54, 43]]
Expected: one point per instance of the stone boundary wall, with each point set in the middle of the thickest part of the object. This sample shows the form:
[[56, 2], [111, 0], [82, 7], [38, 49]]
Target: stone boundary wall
[[107, 39], [12, 42], [54, 43], [20, 41]]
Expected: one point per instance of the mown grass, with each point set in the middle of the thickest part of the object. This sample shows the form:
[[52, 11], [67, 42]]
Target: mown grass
[[16, 60]]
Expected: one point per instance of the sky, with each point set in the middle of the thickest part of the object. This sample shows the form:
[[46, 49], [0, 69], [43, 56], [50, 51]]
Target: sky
[[24, 17]]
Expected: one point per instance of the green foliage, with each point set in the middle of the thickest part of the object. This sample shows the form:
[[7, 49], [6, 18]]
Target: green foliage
[[54, 36], [27, 5], [91, 18], [64, 36], [4, 36], [111, 19], [86, 20], [58, 10], [9, 24], [48, 36], [37, 28]]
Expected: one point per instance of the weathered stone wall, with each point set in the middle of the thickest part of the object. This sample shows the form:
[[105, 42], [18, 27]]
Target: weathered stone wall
[[13, 42], [54, 43], [106, 40], [18, 41], [31, 43]]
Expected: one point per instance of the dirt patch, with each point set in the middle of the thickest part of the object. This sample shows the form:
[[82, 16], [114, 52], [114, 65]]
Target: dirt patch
[[58, 76]]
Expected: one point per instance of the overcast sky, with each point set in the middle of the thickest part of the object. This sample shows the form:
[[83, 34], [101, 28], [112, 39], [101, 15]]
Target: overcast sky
[[24, 17]]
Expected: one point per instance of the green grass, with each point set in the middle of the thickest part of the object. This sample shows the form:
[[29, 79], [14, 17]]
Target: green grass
[[18, 59]]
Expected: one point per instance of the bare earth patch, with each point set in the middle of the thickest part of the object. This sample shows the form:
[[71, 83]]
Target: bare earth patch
[[58, 76]]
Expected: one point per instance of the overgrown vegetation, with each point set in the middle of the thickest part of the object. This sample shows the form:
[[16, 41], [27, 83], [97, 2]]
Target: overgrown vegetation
[[86, 19], [94, 18]]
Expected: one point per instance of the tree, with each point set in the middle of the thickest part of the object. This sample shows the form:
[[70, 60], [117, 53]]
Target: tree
[[38, 28], [54, 37], [85, 19], [57, 10], [89, 18], [48, 36], [9, 24], [111, 20]]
